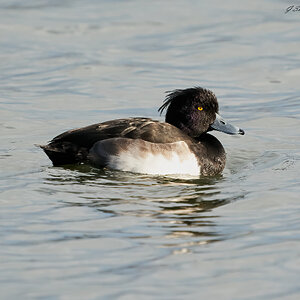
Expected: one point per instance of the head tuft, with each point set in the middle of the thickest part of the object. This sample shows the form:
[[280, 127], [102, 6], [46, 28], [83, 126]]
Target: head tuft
[[197, 94]]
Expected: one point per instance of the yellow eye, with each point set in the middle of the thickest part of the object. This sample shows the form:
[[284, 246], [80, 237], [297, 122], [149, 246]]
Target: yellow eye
[[200, 108]]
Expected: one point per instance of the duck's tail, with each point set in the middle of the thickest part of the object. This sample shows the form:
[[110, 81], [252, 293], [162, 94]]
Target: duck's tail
[[64, 154]]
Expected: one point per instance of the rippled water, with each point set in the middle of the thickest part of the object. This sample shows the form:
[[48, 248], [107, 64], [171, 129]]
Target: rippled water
[[82, 233]]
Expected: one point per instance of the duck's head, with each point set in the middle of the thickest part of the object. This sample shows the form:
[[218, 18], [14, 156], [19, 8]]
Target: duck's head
[[195, 111]]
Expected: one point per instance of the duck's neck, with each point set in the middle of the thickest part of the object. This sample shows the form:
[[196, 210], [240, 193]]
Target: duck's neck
[[212, 144], [186, 129]]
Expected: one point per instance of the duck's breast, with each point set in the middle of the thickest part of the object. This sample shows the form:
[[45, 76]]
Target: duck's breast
[[137, 155]]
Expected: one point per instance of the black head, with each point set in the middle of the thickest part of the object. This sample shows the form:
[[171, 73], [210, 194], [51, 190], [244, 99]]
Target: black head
[[192, 110]]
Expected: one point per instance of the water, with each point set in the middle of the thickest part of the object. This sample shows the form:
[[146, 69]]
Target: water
[[83, 233]]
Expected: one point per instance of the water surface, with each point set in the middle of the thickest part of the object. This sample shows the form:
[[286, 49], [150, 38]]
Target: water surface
[[82, 233]]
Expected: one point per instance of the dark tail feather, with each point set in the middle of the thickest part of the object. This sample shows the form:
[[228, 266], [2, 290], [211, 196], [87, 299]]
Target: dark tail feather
[[60, 157]]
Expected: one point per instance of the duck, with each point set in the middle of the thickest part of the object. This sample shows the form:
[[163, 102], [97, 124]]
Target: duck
[[180, 145]]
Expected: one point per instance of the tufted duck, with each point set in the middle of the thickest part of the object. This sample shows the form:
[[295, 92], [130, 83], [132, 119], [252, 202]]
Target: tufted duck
[[180, 145]]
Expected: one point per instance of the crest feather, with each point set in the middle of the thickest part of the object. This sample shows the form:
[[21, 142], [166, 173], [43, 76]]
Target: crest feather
[[195, 92]]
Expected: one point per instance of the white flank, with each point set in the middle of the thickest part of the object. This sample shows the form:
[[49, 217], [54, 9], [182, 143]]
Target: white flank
[[178, 161]]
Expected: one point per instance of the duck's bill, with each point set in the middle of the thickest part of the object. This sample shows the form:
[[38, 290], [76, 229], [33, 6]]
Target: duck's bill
[[221, 125]]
